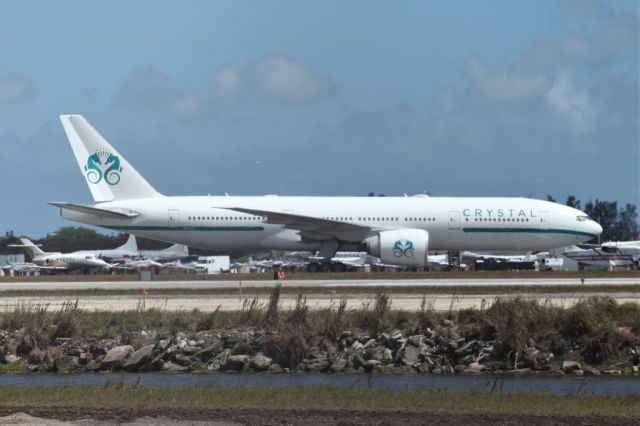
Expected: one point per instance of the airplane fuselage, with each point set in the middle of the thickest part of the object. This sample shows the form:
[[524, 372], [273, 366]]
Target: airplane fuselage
[[453, 223], [68, 261]]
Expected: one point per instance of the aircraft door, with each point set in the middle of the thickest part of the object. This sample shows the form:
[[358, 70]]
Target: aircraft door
[[543, 220], [174, 217], [454, 219]]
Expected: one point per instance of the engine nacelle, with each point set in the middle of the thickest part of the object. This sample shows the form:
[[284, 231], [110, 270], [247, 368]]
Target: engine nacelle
[[403, 247]]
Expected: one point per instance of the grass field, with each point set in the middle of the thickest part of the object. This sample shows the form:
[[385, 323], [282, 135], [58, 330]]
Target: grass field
[[572, 290], [334, 276], [319, 398]]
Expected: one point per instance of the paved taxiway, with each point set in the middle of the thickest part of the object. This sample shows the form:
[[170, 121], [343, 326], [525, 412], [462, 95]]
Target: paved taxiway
[[212, 284], [229, 298], [232, 302]]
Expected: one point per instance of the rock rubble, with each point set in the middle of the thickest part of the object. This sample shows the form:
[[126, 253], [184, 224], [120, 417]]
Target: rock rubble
[[446, 351]]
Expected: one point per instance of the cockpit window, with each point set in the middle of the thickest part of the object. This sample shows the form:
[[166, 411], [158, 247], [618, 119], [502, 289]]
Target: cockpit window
[[582, 218]]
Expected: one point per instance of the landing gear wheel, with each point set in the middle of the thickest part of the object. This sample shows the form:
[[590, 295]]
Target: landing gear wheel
[[338, 267], [313, 267]]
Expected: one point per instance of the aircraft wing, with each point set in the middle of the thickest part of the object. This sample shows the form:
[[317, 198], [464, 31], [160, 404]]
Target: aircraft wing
[[310, 227], [508, 258], [601, 249], [589, 246], [179, 266], [352, 262]]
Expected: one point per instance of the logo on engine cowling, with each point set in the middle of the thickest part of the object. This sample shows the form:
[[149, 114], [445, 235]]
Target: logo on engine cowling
[[103, 165], [403, 248]]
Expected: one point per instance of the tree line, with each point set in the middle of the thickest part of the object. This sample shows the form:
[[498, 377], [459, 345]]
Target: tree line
[[73, 238], [619, 223]]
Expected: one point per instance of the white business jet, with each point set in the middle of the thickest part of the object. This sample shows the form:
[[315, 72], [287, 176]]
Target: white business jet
[[611, 253], [60, 261], [398, 230]]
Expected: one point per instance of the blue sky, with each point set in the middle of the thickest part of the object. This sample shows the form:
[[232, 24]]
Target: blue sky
[[494, 98]]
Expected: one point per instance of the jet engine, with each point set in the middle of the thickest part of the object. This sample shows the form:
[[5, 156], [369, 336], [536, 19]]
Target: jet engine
[[403, 247]]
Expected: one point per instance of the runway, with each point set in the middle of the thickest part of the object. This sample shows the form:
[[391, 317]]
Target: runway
[[329, 283]]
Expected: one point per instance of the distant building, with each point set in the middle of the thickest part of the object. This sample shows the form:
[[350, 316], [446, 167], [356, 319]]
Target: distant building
[[6, 259]]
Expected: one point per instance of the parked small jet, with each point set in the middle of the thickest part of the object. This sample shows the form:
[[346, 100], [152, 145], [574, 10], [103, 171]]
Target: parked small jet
[[60, 261], [611, 254], [21, 268], [129, 250], [137, 265], [174, 252]]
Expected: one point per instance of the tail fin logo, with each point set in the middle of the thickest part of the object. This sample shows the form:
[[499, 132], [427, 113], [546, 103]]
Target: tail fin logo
[[103, 164]]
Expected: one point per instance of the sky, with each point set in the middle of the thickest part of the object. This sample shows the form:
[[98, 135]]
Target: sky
[[464, 98]]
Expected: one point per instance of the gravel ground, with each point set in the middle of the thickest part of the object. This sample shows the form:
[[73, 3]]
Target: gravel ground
[[57, 416]]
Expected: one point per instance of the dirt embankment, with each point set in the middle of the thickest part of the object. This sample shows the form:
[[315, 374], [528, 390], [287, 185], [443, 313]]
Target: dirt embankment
[[596, 336], [58, 416]]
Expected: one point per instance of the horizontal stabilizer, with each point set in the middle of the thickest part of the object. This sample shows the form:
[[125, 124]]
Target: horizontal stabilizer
[[32, 249], [113, 214]]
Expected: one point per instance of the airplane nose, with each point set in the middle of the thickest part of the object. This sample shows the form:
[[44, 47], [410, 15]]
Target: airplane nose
[[597, 228]]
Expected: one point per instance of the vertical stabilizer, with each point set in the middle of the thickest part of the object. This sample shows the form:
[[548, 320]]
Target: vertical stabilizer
[[130, 245], [179, 249], [33, 250], [108, 174]]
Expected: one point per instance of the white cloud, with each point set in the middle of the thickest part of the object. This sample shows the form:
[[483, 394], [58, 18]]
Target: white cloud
[[571, 104], [275, 78], [147, 89], [227, 83], [561, 51], [278, 78], [15, 89], [505, 86]]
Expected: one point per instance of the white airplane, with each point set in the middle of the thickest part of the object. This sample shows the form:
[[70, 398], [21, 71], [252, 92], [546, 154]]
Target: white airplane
[[611, 254], [528, 257], [175, 252], [398, 230], [136, 265], [179, 266], [126, 251], [60, 261], [21, 267], [129, 250]]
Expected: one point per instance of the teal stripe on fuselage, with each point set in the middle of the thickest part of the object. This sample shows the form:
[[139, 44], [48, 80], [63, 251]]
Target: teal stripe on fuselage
[[529, 231], [260, 228], [187, 228]]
